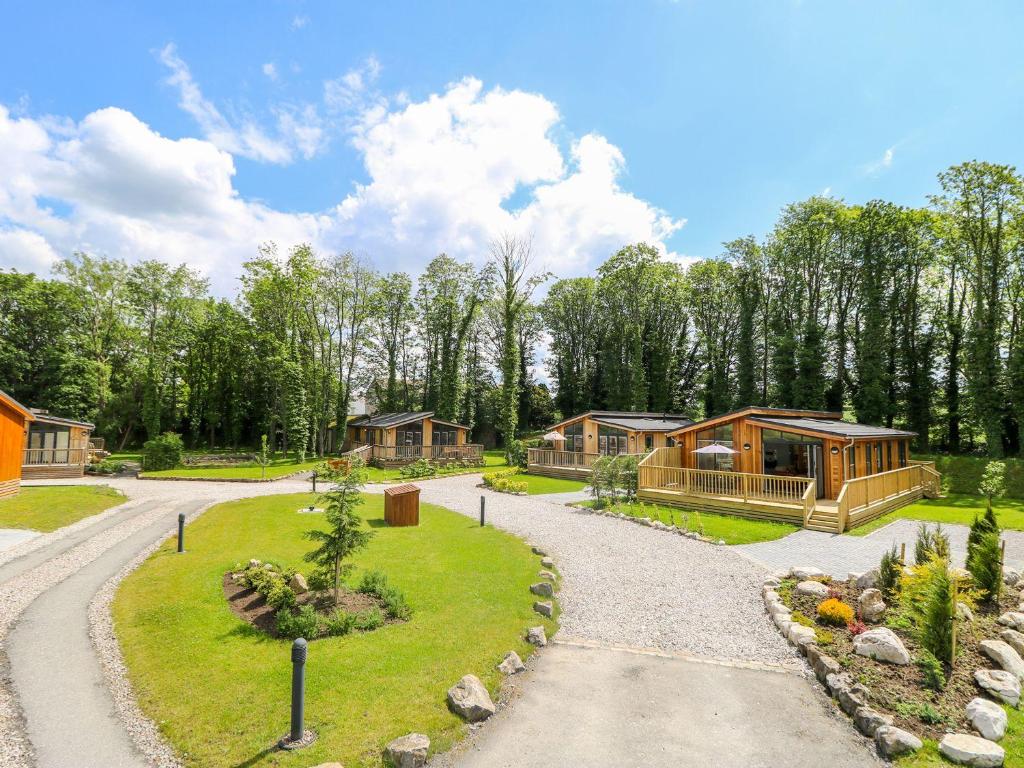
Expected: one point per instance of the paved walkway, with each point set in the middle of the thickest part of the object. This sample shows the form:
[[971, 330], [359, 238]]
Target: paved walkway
[[12, 537], [838, 555]]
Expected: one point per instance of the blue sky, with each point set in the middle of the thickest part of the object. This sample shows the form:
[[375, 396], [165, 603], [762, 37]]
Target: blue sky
[[713, 113]]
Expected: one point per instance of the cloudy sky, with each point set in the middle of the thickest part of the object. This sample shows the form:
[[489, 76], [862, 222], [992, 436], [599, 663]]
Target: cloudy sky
[[195, 131]]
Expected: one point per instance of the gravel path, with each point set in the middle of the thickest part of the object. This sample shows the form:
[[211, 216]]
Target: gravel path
[[625, 584]]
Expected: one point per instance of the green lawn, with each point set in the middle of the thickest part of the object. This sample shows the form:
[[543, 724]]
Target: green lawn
[[538, 484], [219, 689], [955, 508], [49, 507], [1013, 743], [245, 471], [730, 529], [493, 459]]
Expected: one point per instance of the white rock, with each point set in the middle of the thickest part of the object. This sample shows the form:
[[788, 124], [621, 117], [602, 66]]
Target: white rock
[[870, 604], [1011, 576], [409, 751], [1001, 684], [868, 580], [799, 634], [511, 664], [893, 741], [1014, 639], [812, 588], [964, 612], [803, 573], [988, 718], [547, 562], [469, 699], [868, 720], [536, 636], [1003, 655], [298, 584], [970, 750], [1012, 619], [881, 644]]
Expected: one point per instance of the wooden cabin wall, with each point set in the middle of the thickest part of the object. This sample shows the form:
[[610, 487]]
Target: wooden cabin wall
[[428, 431], [13, 433]]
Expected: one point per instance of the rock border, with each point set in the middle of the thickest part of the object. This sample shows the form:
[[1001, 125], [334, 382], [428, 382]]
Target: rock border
[[648, 523]]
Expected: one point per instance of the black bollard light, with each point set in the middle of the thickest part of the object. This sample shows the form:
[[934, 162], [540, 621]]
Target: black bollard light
[[181, 532], [314, 483], [483, 500], [298, 689]]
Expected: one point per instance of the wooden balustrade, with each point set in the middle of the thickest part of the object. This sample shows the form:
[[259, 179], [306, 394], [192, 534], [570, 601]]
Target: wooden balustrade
[[777, 489], [548, 457], [864, 497], [429, 452], [47, 456]]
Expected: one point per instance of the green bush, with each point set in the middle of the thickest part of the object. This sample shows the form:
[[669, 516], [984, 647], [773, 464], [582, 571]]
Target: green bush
[[516, 454], [963, 474], [985, 566], [369, 620], [930, 543], [302, 623], [376, 583], [339, 623], [931, 668], [504, 481], [163, 452], [889, 573], [105, 467], [372, 583], [280, 596], [936, 622], [418, 468]]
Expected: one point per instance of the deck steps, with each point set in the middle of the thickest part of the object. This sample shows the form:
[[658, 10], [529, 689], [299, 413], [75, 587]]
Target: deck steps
[[824, 519]]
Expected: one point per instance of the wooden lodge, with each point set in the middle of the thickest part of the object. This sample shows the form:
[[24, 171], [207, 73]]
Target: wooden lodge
[[401, 438], [806, 467], [599, 433], [55, 447], [15, 419]]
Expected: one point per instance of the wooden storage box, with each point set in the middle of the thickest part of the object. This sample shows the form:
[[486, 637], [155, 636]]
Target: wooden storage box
[[402, 505]]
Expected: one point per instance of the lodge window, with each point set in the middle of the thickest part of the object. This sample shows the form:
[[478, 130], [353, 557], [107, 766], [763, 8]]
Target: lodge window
[[901, 449], [853, 461], [648, 442], [611, 441], [410, 434], [573, 434], [445, 437], [878, 457], [888, 455], [721, 434], [867, 458]]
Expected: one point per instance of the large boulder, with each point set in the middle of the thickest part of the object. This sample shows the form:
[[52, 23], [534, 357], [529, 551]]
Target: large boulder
[[803, 572], [469, 699], [869, 720], [964, 749], [1011, 576], [987, 717], [511, 664], [893, 742], [881, 644], [536, 636], [1013, 620], [1000, 684], [812, 589], [298, 584], [867, 580], [870, 605], [409, 751], [1003, 655], [542, 588], [1014, 639], [544, 608]]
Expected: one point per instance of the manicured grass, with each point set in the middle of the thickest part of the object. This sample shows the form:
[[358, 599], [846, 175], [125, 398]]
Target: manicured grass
[[957, 509], [220, 689], [730, 529], [538, 484], [493, 459], [1013, 743], [49, 507], [245, 471]]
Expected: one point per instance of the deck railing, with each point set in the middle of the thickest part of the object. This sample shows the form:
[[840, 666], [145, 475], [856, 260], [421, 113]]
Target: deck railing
[[861, 493], [48, 456], [429, 452], [548, 457], [777, 489]]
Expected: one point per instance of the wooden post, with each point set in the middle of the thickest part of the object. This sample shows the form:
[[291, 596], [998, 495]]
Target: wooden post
[[1002, 559], [903, 555], [952, 651]]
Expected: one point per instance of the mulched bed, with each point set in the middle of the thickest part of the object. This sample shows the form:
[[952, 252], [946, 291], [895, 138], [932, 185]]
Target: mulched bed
[[897, 690], [250, 606]]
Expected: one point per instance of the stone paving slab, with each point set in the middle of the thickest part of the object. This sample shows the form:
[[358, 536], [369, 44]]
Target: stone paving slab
[[838, 555]]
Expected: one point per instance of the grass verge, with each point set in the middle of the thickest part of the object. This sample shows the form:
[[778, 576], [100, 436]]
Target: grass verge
[[1013, 743], [245, 471], [49, 507], [225, 701], [727, 528], [493, 459], [956, 509], [539, 484]]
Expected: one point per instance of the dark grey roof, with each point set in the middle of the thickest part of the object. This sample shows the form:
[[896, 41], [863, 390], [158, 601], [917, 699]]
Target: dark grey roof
[[643, 423], [45, 418], [397, 419], [834, 427]]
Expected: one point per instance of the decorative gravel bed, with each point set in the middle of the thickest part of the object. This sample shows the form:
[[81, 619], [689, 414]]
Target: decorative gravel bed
[[627, 584]]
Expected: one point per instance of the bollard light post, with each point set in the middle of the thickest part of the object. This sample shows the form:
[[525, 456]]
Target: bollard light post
[[181, 532], [314, 481], [299, 650], [483, 500]]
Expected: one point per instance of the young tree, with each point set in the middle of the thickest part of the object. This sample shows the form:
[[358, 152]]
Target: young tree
[[345, 534]]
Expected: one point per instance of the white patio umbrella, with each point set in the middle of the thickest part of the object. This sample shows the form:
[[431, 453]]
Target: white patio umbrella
[[714, 448], [554, 436]]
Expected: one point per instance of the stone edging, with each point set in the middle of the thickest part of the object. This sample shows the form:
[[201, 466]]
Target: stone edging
[[142, 730], [646, 521]]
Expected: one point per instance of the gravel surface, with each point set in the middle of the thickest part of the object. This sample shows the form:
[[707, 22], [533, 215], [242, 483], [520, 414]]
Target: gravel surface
[[625, 584]]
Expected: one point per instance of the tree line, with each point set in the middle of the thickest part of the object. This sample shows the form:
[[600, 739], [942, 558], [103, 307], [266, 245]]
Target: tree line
[[895, 315]]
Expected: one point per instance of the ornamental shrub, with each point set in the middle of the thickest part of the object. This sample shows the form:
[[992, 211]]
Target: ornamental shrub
[[985, 566], [889, 573], [856, 627], [516, 454], [339, 623], [162, 452], [835, 612], [280, 596], [930, 543], [931, 668], [302, 623], [369, 619], [935, 631], [418, 468]]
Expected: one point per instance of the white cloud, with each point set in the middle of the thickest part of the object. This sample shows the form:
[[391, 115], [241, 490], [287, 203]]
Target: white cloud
[[448, 173], [270, 70], [299, 130], [300, 22], [354, 89], [884, 162]]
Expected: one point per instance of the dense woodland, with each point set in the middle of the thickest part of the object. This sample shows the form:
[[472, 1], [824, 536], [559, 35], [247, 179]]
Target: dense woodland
[[898, 316]]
